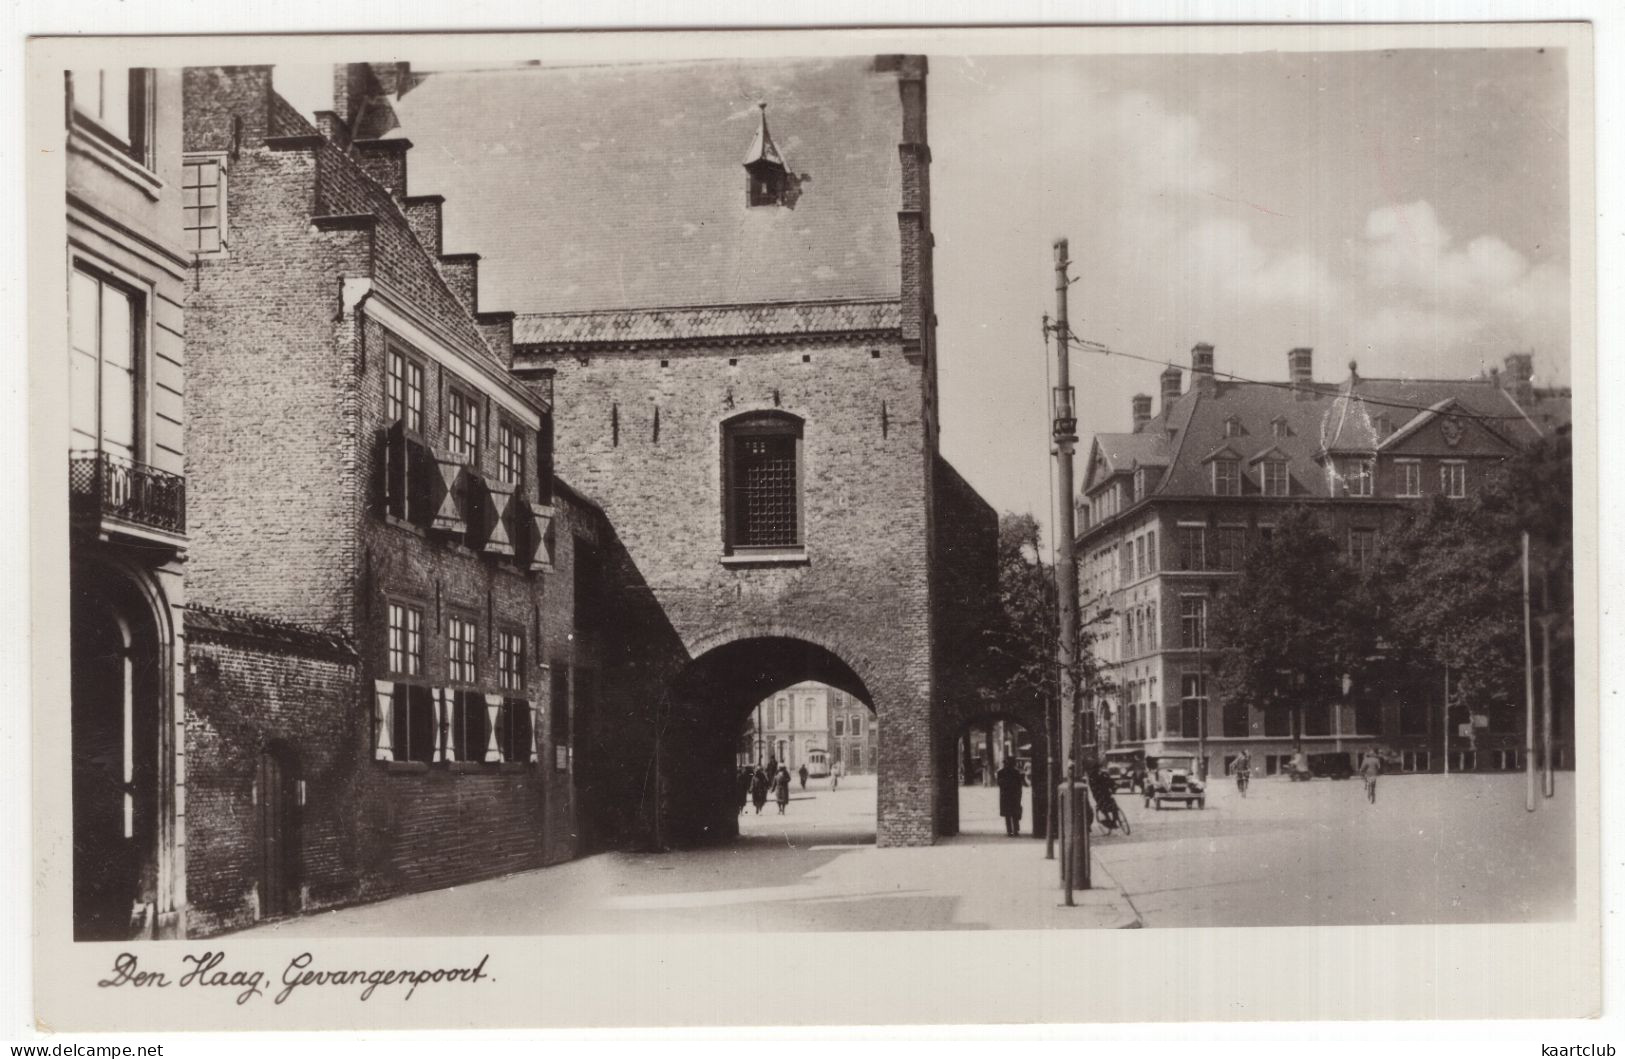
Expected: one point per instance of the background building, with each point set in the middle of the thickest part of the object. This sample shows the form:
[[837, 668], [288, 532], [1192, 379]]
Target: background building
[[1170, 508]]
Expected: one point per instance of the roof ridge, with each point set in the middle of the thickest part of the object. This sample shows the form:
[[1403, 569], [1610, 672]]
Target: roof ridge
[[712, 306]]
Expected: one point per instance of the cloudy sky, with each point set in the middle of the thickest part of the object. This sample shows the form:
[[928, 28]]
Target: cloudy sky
[[1407, 210]]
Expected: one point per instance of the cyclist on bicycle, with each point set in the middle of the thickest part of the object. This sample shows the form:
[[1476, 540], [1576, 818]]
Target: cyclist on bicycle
[[1100, 789], [1243, 768], [1370, 767]]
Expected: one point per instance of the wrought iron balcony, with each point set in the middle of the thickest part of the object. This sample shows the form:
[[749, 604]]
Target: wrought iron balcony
[[104, 487]]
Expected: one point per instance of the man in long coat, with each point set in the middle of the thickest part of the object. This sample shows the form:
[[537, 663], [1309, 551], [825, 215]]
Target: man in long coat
[[1011, 781]]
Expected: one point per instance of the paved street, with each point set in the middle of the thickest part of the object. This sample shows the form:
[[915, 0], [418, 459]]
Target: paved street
[[815, 868], [1433, 849]]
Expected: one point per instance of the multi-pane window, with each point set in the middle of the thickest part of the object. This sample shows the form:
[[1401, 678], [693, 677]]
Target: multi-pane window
[[763, 482], [1127, 559], [105, 323], [1151, 552], [1139, 555], [1232, 547], [462, 652], [1235, 719], [1275, 479], [1410, 477], [857, 724], [840, 726], [1192, 704], [1226, 478], [403, 391], [405, 640], [117, 101], [1151, 626], [1192, 548], [510, 453], [511, 660], [1356, 475], [1453, 479], [463, 426], [203, 203], [806, 711], [1193, 621], [1362, 548]]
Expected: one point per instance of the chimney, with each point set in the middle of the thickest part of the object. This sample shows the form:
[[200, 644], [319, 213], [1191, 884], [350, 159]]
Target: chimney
[[1519, 378], [385, 162], [1202, 368], [497, 328], [1142, 411], [462, 275], [424, 217], [1172, 382], [333, 129], [1301, 370]]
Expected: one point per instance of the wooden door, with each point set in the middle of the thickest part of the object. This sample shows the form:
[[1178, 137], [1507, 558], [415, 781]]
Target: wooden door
[[277, 789]]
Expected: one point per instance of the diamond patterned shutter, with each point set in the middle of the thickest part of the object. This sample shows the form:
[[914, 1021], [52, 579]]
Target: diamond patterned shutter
[[541, 538], [493, 715], [448, 495], [383, 723], [442, 699], [500, 509]]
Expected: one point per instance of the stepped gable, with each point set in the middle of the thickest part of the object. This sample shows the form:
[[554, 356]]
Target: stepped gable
[[233, 626], [592, 188], [674, 326], [344, 189]]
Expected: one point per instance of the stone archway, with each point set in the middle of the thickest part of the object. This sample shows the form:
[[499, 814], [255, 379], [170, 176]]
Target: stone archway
[[1004, 731]]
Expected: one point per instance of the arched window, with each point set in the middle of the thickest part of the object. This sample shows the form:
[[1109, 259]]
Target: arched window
[[761, 455]]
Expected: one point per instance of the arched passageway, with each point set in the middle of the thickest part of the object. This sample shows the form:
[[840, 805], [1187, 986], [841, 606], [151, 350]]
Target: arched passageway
[[983, 745], [707, 709]]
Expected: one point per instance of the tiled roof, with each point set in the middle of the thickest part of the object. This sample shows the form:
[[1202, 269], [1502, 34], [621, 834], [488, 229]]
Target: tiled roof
[[600, 187], [1323, 419], [210, 623], [671, 325]]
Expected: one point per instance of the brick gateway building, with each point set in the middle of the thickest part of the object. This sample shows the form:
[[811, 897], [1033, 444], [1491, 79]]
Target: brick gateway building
[[737, 322]]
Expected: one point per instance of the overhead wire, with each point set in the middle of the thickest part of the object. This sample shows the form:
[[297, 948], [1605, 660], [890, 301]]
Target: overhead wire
[[1084, 345]]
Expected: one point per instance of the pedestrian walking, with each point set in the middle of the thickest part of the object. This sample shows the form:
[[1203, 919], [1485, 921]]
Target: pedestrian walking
[[1370, 767], [836, 771], [803, 777], [781, 788], [758, 790], [1011, 781], [1243, 768], [742, 782]]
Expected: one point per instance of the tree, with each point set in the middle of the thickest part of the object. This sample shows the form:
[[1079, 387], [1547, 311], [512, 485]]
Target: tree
[[1294, 625], [1024, 638]]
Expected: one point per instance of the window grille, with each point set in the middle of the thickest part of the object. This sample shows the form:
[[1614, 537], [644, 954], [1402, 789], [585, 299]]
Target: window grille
[[764, 483]]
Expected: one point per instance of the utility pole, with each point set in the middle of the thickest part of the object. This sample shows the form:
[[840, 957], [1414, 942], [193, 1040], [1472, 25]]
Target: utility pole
[[1548, 782], [1065, 424], [1528, 685]]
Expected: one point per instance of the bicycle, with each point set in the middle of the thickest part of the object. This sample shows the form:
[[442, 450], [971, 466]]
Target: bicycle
[[1242, 779], [1112, 818], [1371, 789]]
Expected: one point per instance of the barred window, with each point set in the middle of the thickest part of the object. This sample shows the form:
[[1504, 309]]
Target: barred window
[[405, 640], [762, 455], [463, 667], [463, 426], [403, 391], [511, 660], [510, 453], [203, 203]]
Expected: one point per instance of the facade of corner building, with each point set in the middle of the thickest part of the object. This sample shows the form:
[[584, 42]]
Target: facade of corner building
[[1170, 507], [124, 278], [723, 270], [815, 725], [393, 660]]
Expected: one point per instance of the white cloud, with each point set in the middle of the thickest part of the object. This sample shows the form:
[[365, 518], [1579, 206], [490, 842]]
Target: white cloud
[[1430, 292]]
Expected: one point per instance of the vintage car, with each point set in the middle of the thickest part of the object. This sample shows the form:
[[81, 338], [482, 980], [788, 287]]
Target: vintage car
[[1173, 779], [1126, 768]]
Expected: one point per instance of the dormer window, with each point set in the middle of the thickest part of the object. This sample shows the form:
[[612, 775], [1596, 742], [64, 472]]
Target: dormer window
[[1382, 425], [1232, 428], [1278, 428], [767, 177], [1226, 478]]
